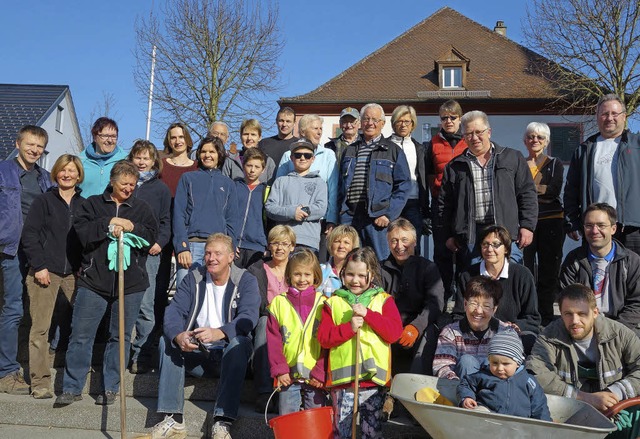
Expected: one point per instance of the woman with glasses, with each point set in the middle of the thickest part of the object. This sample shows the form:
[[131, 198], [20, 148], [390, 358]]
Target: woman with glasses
[[442, 148], [271, 282], [544, 256], [324, 162], [463, 346], [404, 121], [519, 303]]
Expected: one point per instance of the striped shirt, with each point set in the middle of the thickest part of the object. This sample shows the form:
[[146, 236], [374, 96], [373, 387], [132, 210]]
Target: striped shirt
[[483, 187], [357, 192]]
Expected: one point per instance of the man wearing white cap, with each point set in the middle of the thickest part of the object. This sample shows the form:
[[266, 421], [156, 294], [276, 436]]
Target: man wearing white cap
[[349, 125]]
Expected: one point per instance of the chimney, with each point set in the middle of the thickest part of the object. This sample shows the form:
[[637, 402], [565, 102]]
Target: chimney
[[500, 28]]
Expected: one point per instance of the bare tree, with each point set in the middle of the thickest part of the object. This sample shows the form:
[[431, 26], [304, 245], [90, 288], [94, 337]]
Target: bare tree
[[104, 107], [593, 47], [215, 60]]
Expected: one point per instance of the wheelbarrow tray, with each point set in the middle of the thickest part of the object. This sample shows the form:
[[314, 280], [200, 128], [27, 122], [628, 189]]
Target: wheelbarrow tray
[[572, 419]]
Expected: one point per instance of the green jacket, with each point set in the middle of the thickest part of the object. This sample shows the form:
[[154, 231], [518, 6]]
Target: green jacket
[[554, 360]]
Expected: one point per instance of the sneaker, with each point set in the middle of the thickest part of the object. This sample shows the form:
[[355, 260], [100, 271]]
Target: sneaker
[[42, 393], [221, 430], [106, 398], [66, 398], [168, 428], [14, 384]]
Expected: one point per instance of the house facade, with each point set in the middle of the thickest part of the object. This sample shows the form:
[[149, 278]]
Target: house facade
[[47, 106], [449, 56]]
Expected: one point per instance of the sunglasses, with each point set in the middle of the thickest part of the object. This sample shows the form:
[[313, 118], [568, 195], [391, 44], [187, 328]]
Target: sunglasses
[[306, 155], [451, 118]]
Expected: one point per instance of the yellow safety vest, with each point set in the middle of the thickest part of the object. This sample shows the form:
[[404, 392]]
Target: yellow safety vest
[[375, 353], [300, 342]]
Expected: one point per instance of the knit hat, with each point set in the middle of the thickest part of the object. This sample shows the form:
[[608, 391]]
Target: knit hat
[[507, 344]]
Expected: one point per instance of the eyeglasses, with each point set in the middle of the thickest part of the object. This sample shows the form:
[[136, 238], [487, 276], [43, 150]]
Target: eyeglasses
[[353, 123], [496, 245], [535, 137], [108, 136], [475, 305], [218, 134], [299, 155], [283, 244], [478, 134], [451, 118], [612, 114], [372, 120], [404, 123], [599, 226]]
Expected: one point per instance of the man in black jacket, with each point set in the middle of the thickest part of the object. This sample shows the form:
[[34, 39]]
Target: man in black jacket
[[487, 184]]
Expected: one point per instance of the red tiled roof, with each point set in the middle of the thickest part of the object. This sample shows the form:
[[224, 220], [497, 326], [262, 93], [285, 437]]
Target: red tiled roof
[[402, 68]]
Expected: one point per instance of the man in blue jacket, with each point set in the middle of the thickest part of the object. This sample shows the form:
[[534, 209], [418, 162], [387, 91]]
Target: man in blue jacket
[[207, 326], [375, 182], [21, 181]]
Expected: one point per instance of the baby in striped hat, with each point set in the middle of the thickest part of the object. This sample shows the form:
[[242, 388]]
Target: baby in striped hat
[[504, 386]]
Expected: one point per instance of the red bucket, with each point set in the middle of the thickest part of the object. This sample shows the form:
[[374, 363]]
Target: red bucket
[[310, 424]]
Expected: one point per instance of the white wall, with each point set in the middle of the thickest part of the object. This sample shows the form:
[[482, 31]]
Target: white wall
[[64, 141]]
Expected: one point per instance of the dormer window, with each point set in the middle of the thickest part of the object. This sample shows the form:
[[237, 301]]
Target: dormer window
[[452, 69], [451, 77]]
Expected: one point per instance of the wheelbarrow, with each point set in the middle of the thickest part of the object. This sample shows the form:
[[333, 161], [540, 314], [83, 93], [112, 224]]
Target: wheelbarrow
[[572, 419]]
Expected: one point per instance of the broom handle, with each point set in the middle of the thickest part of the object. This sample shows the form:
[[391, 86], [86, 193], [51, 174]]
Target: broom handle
[[123, 399], [356, 388]]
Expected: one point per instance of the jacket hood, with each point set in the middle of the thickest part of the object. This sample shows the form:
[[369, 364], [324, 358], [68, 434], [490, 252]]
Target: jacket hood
[[91, 153]]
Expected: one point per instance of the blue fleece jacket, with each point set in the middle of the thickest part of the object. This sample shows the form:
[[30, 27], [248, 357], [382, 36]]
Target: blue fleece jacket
[[327, 167], [291, 191], [97, 168], [240, 304], [519, 395], [157, 195], [205, 203], [251, 233]]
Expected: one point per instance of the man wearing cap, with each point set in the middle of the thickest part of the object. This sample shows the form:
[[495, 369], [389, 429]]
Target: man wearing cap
[[299, 199], [504, 385], [276, 146], [585, 355], [349, 125], [375, 182]]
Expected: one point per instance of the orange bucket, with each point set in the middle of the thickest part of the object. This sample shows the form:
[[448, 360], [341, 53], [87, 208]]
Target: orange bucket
[[311, 424]]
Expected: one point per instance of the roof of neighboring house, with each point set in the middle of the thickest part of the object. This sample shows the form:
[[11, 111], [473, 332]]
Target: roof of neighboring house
[[25, 104], [404, 70]]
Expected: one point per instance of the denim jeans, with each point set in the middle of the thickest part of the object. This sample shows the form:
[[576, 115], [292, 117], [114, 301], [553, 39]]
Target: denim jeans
[[262, 380], [370, 234], [297, 394], [412, 213], [468, 364], [230, 364], [89, 308], [13, 273], [197, 260], [141, 346]]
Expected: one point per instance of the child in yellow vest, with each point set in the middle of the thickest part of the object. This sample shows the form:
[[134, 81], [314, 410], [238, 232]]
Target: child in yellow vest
[[360, 305], [295, 356]]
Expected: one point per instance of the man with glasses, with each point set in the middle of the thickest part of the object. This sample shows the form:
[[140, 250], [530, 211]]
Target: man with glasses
[[487, 184], [99, 157], [614, 180], [375, 182], [349, 125], [442, 148], [276, 146], [607, 266]]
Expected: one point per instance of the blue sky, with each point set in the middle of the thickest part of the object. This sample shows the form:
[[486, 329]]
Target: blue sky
[[89, 45]]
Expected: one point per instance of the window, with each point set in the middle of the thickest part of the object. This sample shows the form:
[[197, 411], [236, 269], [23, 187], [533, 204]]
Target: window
[[451, 77], [565, 138], [59, 119]]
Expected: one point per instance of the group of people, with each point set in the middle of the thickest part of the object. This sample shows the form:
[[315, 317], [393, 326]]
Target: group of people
[[302, 260]]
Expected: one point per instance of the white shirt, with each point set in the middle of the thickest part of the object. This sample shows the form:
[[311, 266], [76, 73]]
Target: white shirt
[[504, 274], [210, 315], [605, 170], [407, 145]]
